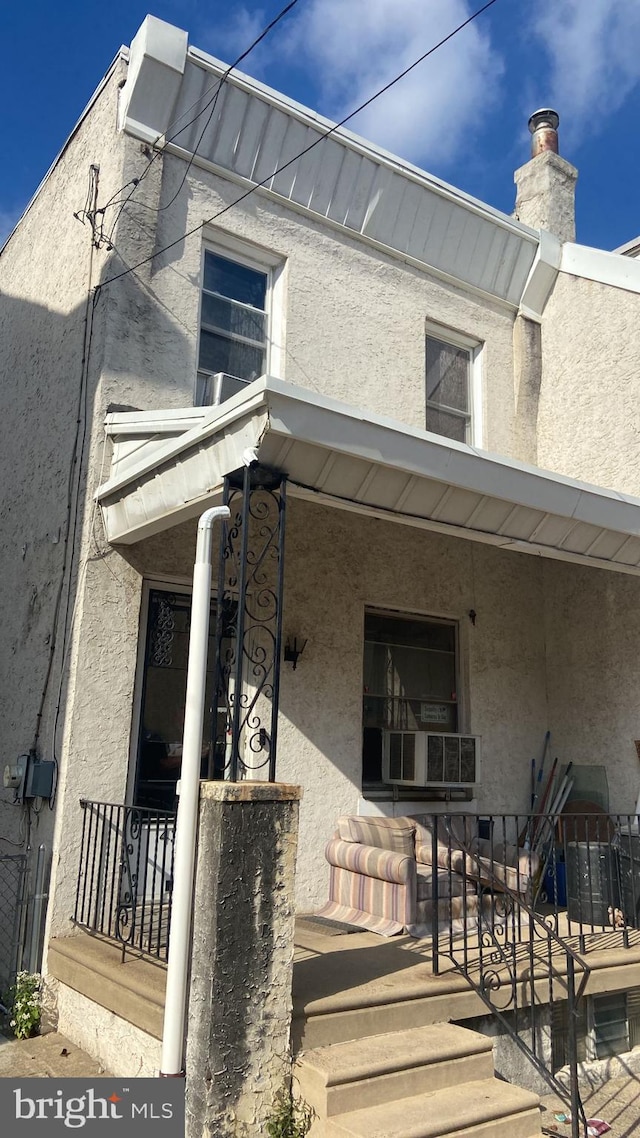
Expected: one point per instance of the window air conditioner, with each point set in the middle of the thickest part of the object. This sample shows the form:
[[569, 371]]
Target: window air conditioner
[[427, 758], [215, 388]]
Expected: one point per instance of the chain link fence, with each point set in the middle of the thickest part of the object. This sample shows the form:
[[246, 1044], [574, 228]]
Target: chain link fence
[[13, 896]]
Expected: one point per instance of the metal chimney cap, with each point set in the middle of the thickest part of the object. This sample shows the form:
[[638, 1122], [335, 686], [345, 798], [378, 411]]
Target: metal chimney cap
[[545, 117]]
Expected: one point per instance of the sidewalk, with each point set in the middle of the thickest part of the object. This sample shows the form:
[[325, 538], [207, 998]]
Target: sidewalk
[[45, 1056], [617, 1102]]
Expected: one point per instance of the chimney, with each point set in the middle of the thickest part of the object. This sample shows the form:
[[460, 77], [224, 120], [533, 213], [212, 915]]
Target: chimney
[[546, 185]]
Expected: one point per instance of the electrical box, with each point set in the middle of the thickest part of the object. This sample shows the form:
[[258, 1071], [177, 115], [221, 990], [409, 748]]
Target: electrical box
[[30, 777], [39, 781]]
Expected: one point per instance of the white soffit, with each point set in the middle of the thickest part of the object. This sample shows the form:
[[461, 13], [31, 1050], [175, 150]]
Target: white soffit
[[337, 454], [344, 180]]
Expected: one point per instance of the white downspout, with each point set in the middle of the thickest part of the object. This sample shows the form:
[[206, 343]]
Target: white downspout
[[187, 819]]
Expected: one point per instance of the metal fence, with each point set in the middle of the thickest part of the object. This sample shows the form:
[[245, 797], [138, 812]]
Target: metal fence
[[125, 879], [13, 891]]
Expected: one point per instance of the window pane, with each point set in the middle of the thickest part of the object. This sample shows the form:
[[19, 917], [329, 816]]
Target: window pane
[[217, 353], [228, 316], [235, 281], [409, 684], [451, 426], [415, 633], [447, 374], [408, 673]]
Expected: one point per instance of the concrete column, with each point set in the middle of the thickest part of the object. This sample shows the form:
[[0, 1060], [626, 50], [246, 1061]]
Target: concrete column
[[242, 957]]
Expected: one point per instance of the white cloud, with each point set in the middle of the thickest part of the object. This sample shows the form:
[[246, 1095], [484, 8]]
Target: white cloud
[[593, 52], [232, 36], [354, 47]]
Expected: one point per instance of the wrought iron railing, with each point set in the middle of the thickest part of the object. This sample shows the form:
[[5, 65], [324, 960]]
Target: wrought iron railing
[[518, 903], [126, 876]]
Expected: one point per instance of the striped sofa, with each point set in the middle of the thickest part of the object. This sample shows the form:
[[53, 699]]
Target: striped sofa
[[383, 876]]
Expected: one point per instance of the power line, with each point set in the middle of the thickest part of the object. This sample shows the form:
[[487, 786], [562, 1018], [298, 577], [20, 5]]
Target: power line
[[135, 182], [301, 153]]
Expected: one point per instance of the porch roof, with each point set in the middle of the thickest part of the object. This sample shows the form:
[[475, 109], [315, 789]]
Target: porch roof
[[168, 466]]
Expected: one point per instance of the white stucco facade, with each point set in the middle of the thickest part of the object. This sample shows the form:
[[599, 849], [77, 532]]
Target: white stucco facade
[[553, 646]]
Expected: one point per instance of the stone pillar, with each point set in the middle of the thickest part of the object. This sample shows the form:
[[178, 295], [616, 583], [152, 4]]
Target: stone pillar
[[242, 957]]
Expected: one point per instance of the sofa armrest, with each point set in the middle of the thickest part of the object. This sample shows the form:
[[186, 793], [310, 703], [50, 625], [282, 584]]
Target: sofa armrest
[[370, 861]]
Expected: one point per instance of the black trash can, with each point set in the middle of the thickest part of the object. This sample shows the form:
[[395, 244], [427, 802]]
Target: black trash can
[[592, 882], [627, 844]]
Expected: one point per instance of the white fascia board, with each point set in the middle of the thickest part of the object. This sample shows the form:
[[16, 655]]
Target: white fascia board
[[157, 60], [301, 415], [542, 276], [359, 144], [611, 269], [160, 452], [123, 423], [310, 418]]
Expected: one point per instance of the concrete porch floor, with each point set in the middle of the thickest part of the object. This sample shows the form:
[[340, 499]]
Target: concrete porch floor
[[341, 983], [354, 976]]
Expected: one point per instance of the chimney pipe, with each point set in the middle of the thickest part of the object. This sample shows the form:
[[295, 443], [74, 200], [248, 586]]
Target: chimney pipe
[[543, 125], [546, 184]]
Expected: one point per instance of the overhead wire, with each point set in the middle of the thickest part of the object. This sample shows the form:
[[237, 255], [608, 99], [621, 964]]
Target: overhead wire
[[306, 150], [212, 103]]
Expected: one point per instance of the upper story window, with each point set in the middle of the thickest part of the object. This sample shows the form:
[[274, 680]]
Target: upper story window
[[235, 323], [453, 398]]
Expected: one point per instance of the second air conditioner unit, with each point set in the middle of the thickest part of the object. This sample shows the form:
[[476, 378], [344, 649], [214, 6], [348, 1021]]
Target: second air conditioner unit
[[429, 758]]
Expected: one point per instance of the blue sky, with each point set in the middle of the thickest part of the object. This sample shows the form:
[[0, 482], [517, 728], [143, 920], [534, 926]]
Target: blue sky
[[462, 114]]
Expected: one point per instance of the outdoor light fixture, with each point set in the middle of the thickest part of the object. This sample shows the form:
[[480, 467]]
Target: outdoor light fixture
[[293, 650]]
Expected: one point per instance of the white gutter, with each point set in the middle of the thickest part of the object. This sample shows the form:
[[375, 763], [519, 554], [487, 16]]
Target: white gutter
[[187, 819]]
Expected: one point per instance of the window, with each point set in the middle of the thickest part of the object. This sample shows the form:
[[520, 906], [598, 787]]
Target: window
[[453, 405], [234, 324], [410, 668], [606, 1026]]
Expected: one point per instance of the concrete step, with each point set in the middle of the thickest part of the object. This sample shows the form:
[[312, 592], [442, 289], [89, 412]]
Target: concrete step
[[481, 1109], [397, 1065]]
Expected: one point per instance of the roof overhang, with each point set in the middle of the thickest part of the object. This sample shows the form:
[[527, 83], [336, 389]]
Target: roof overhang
[[168, 466]]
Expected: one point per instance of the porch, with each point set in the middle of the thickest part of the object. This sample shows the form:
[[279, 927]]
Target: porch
[[522, 968]]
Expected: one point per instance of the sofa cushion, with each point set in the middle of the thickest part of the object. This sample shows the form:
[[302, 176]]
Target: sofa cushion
[[395, 834], [457, 830], [449, 884]]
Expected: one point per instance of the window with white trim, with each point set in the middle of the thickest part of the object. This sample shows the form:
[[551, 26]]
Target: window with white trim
[[452, 386], [235, 322]]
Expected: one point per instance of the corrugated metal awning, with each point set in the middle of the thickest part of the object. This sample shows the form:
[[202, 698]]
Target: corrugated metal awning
[[168, 466]]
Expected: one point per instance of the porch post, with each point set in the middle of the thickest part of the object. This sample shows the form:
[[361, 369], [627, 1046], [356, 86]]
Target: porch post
[[249, 625], [238, 1057]]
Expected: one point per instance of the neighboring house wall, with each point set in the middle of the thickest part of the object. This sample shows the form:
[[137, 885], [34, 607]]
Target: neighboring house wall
[[588, 421]]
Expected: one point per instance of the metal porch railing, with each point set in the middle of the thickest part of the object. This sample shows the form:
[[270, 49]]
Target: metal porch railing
[[126, 875], [520, 927]]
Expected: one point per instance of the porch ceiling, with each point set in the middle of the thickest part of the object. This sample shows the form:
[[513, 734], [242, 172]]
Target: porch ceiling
[[168, 466]]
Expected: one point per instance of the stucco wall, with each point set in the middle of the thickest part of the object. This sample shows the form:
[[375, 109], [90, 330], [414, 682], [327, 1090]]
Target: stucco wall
[[588, 421], [553, 646], [354, 318], [42, 311]]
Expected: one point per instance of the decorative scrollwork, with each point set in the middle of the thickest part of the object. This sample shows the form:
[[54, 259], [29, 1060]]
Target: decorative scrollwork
[[248, 646], [162, 631]]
